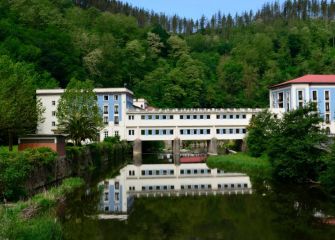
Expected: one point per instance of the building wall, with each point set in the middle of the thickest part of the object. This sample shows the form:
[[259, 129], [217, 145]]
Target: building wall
[[307, 97]]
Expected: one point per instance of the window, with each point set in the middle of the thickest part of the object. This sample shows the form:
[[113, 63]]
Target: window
[[209, 171], [142, 172], [245, 185], [223, 131], [106, 209], [149, 132], [231, 131], [116, 97], [208, 131], [201, 116], [231, 116], [172, 187], [157, 132], [105, 120], [117, 185], [53, 124], [326, 95], [171, 172], [188, 171], [116, 109], [244, 116], [237, 131], [157, 172], [105, 97], [164, 116], [105, 134], [116, 133], [181, 131], [142, 117], [327, 106], [300, 99], [150, 172], [208, 116], [142, 132], [116, 120], [188, 131], [224, 116], [182, 171], [171, 132], [281, 100], [314, 95], [217, 116], [188, 116], [181, 116], [194, 116], [327, 118], [53, 103], [164, 132], [201, 131], [171, 116], [287, 94], [217, 131], [53, 113], [244, 130], [157, 117], [237, 116], [105, 109], [131, 132]]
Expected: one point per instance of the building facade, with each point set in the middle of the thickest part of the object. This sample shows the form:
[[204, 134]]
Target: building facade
[[318, 89], [156, 180]]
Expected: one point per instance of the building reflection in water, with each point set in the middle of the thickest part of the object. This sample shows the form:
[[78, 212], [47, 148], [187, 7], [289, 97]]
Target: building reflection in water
[[157, 180]]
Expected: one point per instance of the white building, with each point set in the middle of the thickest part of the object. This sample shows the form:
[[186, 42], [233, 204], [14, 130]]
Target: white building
[[132, 120], [168, 180], [113, 103], [319, 89]]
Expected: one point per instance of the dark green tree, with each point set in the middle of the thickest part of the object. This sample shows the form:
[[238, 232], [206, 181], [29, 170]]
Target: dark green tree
[[19, 110], [296, 146], [78, 113]]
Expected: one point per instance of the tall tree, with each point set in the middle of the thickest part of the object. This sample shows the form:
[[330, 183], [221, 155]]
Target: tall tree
[[19, 110], [78, 113]]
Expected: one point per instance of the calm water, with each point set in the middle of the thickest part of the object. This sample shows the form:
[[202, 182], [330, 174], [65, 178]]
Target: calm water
[[276, 213]]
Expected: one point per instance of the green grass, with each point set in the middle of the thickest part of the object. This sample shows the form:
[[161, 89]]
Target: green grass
[[5, 148], [256, 168], [36, 218]]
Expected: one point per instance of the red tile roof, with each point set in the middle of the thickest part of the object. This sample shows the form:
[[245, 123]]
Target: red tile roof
[[309, 79]]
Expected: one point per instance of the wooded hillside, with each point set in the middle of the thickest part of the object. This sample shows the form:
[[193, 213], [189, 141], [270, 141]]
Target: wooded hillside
[[223, 61]]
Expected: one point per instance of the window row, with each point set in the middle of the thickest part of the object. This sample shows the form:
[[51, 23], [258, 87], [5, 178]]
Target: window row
[[106, 120], [155, 117], [231, 116], [200, 186], [116, 97], [195, 117], [231, 131], [157, 172], [232, 185], [195, 171], [116, 109], [194, 131], [163, 187], [157, 132]]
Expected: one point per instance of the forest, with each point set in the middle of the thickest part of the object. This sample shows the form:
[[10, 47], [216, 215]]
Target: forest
[[220, 61]]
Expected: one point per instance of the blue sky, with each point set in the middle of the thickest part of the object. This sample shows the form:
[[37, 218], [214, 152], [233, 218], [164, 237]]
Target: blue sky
[[195, 8]]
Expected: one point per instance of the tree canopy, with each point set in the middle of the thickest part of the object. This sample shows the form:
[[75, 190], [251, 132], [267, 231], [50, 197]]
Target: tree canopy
[[78, 113]]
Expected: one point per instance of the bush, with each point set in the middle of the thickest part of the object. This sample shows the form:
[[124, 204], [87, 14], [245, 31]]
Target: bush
[[15, 168]]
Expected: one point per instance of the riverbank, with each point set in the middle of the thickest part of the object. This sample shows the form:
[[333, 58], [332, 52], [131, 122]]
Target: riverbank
[[37, 217], [258, 169]]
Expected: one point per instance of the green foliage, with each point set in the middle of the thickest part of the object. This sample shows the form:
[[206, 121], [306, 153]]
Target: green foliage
[[256, 168], [19, 112], [15, 168], [293, 142], [259, 133], [78, 113], [296, 144], [327, 177], [115, 139], [15, 223]]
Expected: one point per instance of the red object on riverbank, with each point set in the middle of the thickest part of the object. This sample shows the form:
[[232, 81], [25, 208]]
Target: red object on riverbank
[[330, 221], [198, 159]]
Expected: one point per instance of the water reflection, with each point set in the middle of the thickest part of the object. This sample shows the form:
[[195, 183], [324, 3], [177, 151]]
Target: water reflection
[[159, 180]]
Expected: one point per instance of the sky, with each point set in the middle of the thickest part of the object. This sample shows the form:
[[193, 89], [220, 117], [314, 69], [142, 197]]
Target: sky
[[196, 8]]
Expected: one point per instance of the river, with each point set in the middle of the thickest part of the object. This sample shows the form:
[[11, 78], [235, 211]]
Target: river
[[271, 212]]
